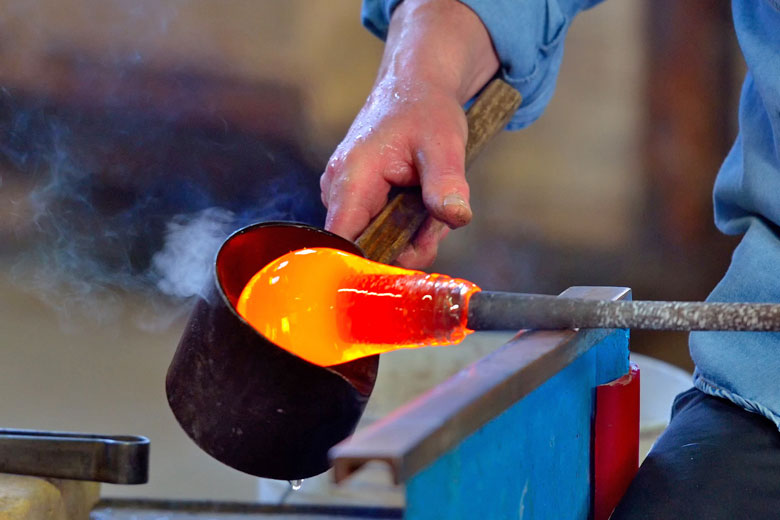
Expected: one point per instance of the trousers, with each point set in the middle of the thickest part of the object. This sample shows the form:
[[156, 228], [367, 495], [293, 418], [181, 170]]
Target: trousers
[[714, 461]]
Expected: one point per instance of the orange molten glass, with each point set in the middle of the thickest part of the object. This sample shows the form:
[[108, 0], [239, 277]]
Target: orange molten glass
[[329, 307]]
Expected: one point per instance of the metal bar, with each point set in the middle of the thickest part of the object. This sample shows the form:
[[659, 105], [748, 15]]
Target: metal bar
[[418, 433], [133, 508], [121, 459], [512, 311]]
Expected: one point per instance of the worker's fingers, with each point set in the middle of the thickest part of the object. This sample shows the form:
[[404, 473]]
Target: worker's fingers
[[440, 163], [397, 141], [365, 162], [422, 252], [373, 156], [353, 194]]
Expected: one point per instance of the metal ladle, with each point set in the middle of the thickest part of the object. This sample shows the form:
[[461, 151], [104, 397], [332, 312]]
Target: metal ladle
[[251, 404]]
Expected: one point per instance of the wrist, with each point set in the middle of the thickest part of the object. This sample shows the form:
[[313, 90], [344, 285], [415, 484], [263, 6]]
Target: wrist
[[441, 44]]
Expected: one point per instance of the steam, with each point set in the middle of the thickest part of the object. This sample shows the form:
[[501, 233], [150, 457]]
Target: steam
[[119, 178], [182, 267], [117, 217]]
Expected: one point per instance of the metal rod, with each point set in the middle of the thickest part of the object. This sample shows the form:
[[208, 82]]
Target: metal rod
[[418, 433], [120, 459], [514, 311]]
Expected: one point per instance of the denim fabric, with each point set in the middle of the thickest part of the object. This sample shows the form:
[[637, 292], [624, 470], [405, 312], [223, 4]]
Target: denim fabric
[[528, 37], [714, 461], [745, 367]]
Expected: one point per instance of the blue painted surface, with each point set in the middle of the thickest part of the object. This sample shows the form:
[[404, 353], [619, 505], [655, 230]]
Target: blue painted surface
[[612, 357], [533, 460]]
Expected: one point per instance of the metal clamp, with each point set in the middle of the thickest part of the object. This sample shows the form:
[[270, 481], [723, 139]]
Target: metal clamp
[[116, 459]]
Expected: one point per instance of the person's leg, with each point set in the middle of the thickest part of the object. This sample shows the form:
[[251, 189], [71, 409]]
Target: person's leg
[[715, 460]]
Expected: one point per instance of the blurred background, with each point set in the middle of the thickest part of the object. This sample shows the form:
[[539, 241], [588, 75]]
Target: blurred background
[[136, 134]]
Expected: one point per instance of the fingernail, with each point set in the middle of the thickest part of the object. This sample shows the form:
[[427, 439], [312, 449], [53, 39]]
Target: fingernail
[[456, 206], [454, 199]]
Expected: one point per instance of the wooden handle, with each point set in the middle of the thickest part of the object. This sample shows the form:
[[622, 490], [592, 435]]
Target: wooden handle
[[389, 233]]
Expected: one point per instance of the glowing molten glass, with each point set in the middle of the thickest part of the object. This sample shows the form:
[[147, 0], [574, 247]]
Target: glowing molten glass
[[328, 307]]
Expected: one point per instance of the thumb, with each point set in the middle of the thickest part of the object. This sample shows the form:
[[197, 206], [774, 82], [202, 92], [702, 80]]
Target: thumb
[[443, 180]]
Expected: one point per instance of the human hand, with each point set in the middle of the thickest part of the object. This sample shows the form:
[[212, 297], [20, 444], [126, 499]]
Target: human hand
[[405, 135], [412, 129]]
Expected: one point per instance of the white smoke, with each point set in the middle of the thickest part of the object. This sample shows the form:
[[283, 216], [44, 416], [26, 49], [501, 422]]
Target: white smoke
[[184, 263]]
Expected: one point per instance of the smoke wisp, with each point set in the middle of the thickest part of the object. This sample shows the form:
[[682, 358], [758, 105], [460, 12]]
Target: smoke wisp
[[121, 202]]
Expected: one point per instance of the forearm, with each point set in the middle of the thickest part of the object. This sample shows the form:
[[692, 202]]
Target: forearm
[[439, 44]]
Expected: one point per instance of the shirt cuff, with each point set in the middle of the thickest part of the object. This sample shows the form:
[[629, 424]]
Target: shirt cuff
[[527, 35], [376, 15]]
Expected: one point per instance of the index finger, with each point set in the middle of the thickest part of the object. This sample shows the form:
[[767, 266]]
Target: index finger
[[356, 195]]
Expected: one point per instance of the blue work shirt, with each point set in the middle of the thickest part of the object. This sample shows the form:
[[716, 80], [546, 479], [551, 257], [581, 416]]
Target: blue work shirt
[[528, 37]]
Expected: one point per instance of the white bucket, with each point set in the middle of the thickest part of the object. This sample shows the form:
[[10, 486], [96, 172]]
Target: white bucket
[[659, 383]]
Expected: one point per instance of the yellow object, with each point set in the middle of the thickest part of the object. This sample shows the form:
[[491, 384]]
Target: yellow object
[[35, 498]]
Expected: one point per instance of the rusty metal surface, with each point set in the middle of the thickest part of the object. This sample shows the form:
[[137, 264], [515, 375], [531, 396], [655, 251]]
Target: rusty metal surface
[[419, 432], [511, 311], [116, 459]]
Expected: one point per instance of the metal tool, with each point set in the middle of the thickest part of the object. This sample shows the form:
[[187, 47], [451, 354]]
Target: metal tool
[[245, 401], [116, 459], [515, 434], [251, 404], [421, 431], [514, 311]]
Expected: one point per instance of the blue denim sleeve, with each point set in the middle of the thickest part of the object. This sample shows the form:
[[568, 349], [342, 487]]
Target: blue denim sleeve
[[528, 38]]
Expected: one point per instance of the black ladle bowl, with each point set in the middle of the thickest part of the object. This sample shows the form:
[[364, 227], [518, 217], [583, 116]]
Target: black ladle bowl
[[245, 401], [251, 404]]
